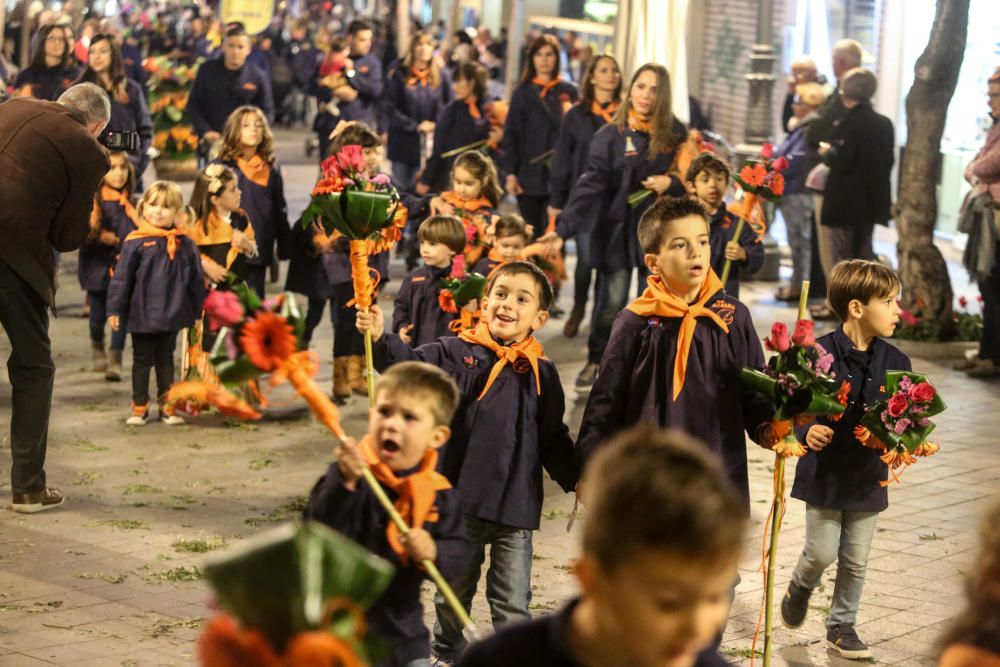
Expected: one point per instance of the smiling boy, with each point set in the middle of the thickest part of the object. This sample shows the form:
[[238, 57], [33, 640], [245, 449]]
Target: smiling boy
[[509, 426], [414, 403]]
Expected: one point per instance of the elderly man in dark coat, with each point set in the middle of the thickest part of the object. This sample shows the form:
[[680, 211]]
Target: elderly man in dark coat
[[52, 165]]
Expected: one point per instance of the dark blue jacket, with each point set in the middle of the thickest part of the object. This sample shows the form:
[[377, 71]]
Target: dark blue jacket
[[132, 61], [455, 128], [635, 383], [218, 91], [599, 200], [794, 149], [268, 213], [572, 151], [532, 128], [404, 107], [306, 274], [485, 266], [303, 58], [367, 80], [47, 83], [546, 641], [721, 229], [499, 444], [846, 474], [417, 304], [133, 116], [155, 293], [97, 259], [397, 617]]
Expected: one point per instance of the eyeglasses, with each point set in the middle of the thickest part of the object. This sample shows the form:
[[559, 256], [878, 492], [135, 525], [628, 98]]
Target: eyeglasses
[[55, 38]]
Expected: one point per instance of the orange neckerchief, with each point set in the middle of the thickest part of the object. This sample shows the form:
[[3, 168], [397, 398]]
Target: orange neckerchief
[[494, 255], [256, 169], [415, 493], [529, 349], [659, 301], [471, 102], [639, 123], [120, 196], [467, 205], [145, 230], [546, 86], [418, 77], [604, 112]]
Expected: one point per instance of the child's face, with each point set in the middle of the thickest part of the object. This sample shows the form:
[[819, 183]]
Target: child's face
[[117, 175], [710, 188], [659, 608], [684, 258], [251, 130], [158, 214], [402, 428], [435, 254], [513, 308], [464, 184], [462, 88], [228, 198], [879, 316], [373, 159], [510, 247]]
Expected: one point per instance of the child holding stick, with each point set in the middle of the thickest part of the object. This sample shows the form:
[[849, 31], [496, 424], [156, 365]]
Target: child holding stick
[[660, 548], [409, 422], [839, 478], [508, 428]]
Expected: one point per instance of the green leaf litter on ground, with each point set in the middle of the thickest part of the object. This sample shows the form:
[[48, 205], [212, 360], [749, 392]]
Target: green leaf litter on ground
[[140, 488], [197, 546]]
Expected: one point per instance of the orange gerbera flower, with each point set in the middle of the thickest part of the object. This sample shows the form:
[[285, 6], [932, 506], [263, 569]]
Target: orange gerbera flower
[[753, 175], [446, 300], [777, 184], [328, 185], [268, 340]]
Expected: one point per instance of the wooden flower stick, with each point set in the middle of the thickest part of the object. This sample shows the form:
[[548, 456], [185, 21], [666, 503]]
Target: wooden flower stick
[[729, 263], [777, 513]]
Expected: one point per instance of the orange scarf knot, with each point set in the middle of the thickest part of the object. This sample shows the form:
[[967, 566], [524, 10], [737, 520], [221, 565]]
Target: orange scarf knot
[[659, 301], [418, 77], [640, 123], [121, 198], [415, 493], [545, 86], [606, 112], [529, 349], [257, 169], [145, 230], [474, 111], [465, 205]]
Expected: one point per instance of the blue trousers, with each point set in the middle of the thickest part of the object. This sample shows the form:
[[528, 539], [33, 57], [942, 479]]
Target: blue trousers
[[98, 320]]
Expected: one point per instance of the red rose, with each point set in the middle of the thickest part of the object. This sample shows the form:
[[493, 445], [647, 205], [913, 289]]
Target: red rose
[[898, 404], [963, 302], [922, 393], [908, 318], [780, 164], [804, 335], [779, 338], [766, 151]]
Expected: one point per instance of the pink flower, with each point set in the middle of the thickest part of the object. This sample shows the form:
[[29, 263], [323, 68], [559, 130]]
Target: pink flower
[[351, 158], [825, 361], [381, 179], [902, 425], [922, 393], [778, 341], [804, 335], [898, 404], [766, 151], [780, 164], [458, 266], [329, 166], [909, 318], [223, 309]]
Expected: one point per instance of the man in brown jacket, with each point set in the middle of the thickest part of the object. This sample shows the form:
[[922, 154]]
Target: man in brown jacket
[[51, 166]]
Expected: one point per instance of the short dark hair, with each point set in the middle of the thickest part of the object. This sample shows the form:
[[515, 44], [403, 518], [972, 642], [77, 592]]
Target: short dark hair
[[859, 279], [653, 223], [510, 225], [709, 162], [474, 73], [427, 381], [655, 489], [235, 29], [357, 26], [545, 294], [446, 229], [356, 133]]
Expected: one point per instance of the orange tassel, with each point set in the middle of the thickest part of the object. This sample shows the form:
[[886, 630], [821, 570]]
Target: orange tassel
[[926, 448], [783, 441], [299, 370], [224, 644], [320, 649], [193, 396]]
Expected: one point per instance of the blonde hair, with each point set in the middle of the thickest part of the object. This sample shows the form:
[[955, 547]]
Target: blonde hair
[[859, 279], [166, 193], [231, 146], [410, 59], [430, 383], [209, 183]]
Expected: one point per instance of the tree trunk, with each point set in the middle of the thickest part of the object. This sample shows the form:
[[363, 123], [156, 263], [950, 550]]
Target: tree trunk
[[922, 269]]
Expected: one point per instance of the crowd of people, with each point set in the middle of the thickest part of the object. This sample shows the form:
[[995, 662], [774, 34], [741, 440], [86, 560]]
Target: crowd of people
[[469, 409]]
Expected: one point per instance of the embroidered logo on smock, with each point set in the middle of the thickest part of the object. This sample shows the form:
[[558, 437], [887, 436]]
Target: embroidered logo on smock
[[470, 361], [418, 279], [724, 310], [630, 147], [521, 365], [249, 85]]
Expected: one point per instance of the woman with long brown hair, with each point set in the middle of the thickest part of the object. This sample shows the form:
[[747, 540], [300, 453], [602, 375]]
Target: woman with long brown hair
[[416, 92], [537, 107], [635, 151], [53, 66], [600, 97]]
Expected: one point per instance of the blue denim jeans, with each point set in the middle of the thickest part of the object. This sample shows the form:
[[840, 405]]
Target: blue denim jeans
[[508, 583], [612, 296], [796, 209], [405, 174], [845, 537], [584, 270], [98, 320]]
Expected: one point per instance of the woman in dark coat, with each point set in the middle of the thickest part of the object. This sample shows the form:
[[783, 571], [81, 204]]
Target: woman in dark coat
[[53, 67]]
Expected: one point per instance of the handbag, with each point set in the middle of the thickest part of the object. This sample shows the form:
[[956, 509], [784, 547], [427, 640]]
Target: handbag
[[816, 180]]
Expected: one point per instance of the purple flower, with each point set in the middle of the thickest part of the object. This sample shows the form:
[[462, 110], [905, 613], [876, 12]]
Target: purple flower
[[905, 383], [348, 181], [825, 361], [271, 304], [381, 179], [924, 421], [231, 350], [902, 425]]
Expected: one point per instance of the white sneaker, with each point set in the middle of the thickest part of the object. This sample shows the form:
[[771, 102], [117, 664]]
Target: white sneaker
[[139, 416], [172, 420]]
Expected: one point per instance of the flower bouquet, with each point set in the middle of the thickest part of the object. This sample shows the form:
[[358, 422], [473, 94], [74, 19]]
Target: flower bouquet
[[173, 132], [295, 595], [458, 290], [901, 425]]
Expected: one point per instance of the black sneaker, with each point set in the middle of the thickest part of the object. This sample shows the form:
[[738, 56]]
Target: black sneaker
[[794, 605], [844, 639], [37, 501]]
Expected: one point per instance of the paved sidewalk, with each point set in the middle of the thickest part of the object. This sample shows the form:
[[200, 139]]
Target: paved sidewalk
[[112, 578]]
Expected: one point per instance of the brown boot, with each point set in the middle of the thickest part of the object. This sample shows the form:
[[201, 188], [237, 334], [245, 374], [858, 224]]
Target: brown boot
[[572, 327], [97, 355], [341, 381], [356, 373], [114, 370]]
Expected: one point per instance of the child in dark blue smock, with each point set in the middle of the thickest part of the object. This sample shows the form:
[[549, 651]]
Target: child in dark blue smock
[[662, 539], [676, 352], [508, 243], [509, 427], [112, 220], [414, 403], [841, 481], [158, 289], [707, 179]]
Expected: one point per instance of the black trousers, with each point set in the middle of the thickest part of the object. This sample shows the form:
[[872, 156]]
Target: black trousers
[[256, 278], [989, 345], [152, 351], [25, 318], [534, 210]]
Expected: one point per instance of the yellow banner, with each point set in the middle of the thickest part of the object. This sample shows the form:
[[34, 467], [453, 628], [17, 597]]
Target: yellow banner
[[255, 15]]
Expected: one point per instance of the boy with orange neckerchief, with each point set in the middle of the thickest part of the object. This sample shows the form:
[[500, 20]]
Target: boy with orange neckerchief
[[676, 352], [508, 428]]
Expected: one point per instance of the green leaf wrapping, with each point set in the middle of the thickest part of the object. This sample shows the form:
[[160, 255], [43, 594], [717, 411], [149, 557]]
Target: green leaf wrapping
[[279, 582], [353, 213], [471, 287]]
